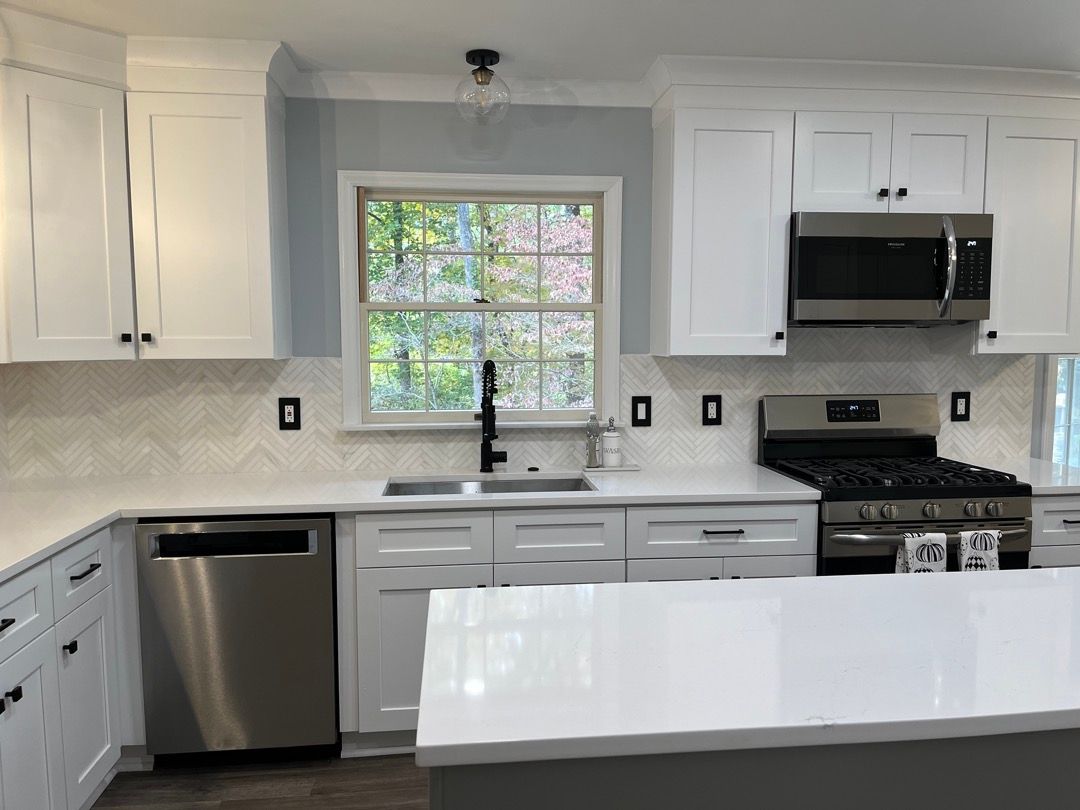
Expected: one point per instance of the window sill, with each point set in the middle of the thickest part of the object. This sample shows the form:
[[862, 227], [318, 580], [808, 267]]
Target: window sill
[[359, 428]]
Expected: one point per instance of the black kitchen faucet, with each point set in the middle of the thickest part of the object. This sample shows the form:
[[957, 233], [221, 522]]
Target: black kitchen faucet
[[488, 390]]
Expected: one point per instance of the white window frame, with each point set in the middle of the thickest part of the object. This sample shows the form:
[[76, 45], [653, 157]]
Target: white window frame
[[350, 182], [1042, 445]]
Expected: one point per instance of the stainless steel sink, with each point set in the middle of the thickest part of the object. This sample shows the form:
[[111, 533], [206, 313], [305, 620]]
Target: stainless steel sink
[[442, 486]]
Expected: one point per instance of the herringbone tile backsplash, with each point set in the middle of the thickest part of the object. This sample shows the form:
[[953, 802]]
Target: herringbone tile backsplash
[[159, 417]]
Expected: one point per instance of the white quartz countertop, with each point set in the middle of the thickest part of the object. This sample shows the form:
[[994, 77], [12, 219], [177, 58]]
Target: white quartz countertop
[[1045, 477], [572, 671], [38, 517]]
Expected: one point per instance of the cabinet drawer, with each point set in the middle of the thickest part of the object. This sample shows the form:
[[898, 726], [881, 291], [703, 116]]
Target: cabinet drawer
[[667, 570], [560, 573], [407, 539], [541, 535], [780, 565], [721, 531], [26, 608], [1055, 521], [81, 571], [1054, 557]]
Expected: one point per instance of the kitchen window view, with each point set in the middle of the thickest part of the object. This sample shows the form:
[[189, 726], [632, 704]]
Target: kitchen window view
[[449, 281], [1066, 436]]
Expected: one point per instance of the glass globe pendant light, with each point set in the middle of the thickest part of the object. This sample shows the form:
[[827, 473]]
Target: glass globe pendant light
[[482, 97]]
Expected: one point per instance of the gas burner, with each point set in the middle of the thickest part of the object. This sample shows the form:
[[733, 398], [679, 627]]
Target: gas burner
[[851, 473]]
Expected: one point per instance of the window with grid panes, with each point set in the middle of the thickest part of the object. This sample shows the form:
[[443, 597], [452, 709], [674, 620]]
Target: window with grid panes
[[448, 281]]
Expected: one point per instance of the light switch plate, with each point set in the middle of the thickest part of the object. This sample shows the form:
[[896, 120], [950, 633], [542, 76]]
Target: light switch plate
[[288, 413], [711, 412], [640, 411]]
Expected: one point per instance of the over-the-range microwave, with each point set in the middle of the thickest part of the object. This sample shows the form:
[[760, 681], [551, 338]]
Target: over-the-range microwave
[[866, 269]]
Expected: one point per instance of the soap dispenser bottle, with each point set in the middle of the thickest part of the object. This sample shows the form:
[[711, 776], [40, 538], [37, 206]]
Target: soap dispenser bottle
[[612, 445], [592, 441]]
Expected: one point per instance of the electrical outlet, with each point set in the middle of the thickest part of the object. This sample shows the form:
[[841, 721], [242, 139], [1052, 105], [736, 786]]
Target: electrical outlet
[[288, 413], [640, 411], [710, 410], [961, 406]]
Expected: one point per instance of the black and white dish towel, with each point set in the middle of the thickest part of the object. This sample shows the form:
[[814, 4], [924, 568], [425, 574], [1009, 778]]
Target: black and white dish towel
[[979, 550], [921, 553]]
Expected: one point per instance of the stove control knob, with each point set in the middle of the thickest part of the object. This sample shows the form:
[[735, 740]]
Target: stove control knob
[[890, 511], [973, 509], [995, 509], [867, 511], [932, 510]]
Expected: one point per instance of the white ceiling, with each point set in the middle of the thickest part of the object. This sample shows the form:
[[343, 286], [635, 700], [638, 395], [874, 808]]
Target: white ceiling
[[606, 39]]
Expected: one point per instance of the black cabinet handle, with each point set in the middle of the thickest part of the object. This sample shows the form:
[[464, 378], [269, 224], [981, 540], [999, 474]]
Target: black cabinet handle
[[736, 576], [5, 624], [3, 707], [779, 335], [71, 648], [883, 193], [1036, 566], [722, 531], [991, 335], [15, 694], [125, 337], [1070, 522], [146, 337], [901, 193], [714, 577], [93, 567]]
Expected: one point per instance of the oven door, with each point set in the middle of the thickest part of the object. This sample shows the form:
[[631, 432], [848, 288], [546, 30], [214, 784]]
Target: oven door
[[859, 271], [862, 549]]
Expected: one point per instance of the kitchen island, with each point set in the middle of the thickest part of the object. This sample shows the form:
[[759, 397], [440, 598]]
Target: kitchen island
[[872, 691]]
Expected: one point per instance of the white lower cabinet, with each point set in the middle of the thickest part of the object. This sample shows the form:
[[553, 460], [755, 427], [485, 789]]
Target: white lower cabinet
[[1054, 557], [560, 573], [392, 612], [780, 565], [31, 757], [89, 705], [734, 530], [796, 565], [545, 535]]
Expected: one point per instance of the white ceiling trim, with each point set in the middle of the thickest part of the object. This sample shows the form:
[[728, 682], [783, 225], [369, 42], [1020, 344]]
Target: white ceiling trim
[[358, 86]]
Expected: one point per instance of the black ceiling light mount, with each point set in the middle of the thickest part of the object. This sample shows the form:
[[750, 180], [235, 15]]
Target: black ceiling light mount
[[482, 97]]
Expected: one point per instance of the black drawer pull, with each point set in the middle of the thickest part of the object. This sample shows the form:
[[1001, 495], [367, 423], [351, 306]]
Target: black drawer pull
[[15, 694], [93, 567], [708, 532], [735, 576], [1070, 522], [71, 648], [714, 577], [5, 624]]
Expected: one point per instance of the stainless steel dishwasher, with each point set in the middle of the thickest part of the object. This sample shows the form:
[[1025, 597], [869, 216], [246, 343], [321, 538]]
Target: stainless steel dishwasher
[[237, 627]]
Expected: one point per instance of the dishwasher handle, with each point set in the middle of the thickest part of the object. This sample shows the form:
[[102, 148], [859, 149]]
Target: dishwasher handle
[[174, 543]]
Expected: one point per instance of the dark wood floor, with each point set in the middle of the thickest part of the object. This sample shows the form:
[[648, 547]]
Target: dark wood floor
[[363, 784]]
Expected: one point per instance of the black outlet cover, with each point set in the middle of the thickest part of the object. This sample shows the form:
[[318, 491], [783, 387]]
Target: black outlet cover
[[288, 409], [709, 399], [961, 406], [640, 411]]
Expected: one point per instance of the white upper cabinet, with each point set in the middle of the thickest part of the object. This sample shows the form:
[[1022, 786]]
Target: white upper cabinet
[[721, 208], [66, 245], [883, 162], [938, 164], [211, 273], [842, 161], [1031, 189]]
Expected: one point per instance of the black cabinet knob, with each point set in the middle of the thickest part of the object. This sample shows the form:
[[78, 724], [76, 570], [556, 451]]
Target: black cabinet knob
[[125, 337], [15, 694], [901, 192], [145, 337], [883, 193], [779, 335], [5, 624], [71, 648], [991, 335]]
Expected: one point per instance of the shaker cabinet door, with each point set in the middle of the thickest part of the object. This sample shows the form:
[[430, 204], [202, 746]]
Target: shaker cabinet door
[[66, 249], [842, 161], [938, 164], [1032, 167]]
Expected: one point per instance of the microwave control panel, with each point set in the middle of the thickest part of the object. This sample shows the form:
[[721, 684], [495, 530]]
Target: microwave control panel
[[972, 269]]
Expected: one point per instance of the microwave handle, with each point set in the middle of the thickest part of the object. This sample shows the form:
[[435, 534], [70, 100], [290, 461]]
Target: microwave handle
[[950, 271]]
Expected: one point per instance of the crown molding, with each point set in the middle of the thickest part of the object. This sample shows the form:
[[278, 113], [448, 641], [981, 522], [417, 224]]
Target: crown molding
[[193, 65], [61, 48], [360, 86], [823, 74]]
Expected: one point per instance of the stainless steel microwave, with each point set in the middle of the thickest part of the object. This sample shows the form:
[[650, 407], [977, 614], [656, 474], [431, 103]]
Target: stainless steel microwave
[[889, 269]]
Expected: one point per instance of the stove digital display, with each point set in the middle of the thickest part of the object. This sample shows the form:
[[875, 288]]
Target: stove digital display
[[852, 410]]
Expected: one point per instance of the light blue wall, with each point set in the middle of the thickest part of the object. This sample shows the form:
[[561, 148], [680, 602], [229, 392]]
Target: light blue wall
[[325, 136]]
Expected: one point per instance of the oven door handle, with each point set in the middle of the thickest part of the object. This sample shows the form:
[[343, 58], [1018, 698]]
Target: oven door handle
[[951, 262], [952, 538]]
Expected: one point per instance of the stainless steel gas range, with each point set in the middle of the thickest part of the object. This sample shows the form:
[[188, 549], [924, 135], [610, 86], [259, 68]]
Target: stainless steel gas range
[[875, 460]]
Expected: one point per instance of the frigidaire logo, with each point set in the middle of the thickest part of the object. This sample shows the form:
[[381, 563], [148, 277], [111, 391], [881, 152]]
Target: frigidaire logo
[[896, 244]]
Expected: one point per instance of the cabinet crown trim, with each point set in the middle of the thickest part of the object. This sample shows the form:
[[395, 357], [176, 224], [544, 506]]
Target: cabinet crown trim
[[194, 65], [62, 48]]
